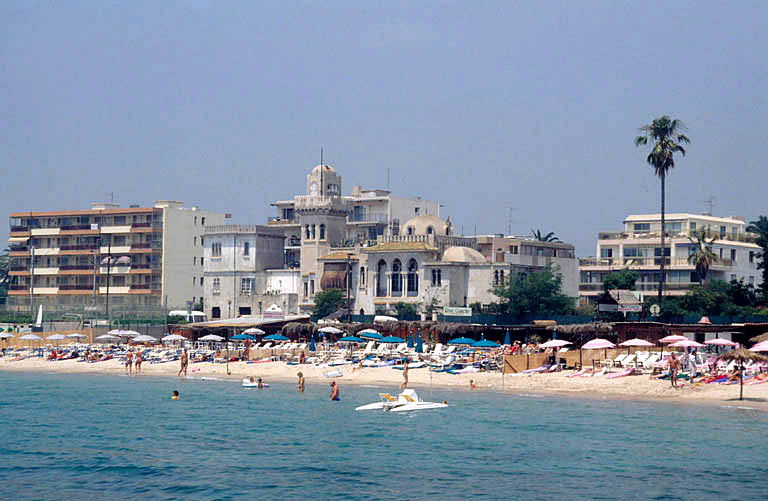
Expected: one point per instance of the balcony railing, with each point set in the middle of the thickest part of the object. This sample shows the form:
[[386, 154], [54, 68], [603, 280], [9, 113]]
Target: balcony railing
[[74, 227], [76, 287], [141, 246], [19, 248], [18, 268], [368, 217], [89, 247], [66, 267], [141, 225], [144, 266], [642, 286], [19, 228], [622, 235], [16, 287]]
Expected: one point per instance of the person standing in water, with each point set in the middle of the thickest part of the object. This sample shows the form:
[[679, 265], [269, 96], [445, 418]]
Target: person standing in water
[[184, 362], [334, 391], [300, 385], [674, 367], [404, 384]]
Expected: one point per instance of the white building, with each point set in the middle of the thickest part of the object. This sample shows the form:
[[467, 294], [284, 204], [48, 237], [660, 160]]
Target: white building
[[638, 247]]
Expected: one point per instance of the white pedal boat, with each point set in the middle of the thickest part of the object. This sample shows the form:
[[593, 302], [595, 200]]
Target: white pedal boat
[[408, 400], [247, 383]]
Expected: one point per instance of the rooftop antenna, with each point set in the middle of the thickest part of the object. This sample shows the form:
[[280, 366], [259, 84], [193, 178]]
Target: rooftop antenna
[[510, 220], [388, 179], [709, 203]]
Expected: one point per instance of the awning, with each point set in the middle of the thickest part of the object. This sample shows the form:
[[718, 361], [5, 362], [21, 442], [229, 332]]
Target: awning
[[334, 276], [18, 239]]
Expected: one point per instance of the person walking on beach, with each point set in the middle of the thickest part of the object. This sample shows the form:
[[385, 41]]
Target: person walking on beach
[[300, 385], [334, 392], [129, 362], [404, 384], [674, 366], [137, 363], [184, 362]]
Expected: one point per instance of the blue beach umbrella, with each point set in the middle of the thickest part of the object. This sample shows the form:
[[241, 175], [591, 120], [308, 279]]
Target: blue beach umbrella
[[276, 337], [370, 334], [410, 339], [507, 340], [554, 333], [462, 340], [419, 345], [484, 343], [350, 339], [391, 340], [312, 343], [243, 337]]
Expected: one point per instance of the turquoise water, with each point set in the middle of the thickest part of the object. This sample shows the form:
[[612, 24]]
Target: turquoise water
[[90, 437]]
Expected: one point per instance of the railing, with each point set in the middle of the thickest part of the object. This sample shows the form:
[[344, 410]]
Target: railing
[[91, 247], [141, 246], [368, 217], [19, 248], [19, 228], [632, 261], [18, 268], [76, 267], [144, 266], [76, 287], [15, 287], [279, 220], [141, 225], [642, 286], [622, 235], [74, 227], [134, 287]]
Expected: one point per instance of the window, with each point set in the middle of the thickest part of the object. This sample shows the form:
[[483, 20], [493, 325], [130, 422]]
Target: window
[[216, 249], [751, 256], [721, 253], [202, 241], [606, 252], [215, 312], [216, 288], [381, 278], [642, 227], [202, 222], [314, 235], [194, 240], [692, 226], [194, 281], [246, 249], [722, 232], [397, 279], [119, 220], [306, 289], [311, 287], [194, 260], [416, 210], [513, 249], [306, 232], [244, 311], [413, 278], [674, 228], [322, 232], [201, 281], [430, 230], [361, 279], [195, 220], [496, 277], [501, 276], [246, 286], [201, 261], [733, 255], [410, 230], [437, 279]]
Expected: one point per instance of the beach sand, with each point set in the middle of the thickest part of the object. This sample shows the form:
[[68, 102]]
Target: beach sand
[[640, 387]]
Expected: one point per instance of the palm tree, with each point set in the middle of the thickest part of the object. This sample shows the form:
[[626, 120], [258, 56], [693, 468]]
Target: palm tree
[[541, 237], [665, 132], [4, 263], [760, 227], [703, 257]]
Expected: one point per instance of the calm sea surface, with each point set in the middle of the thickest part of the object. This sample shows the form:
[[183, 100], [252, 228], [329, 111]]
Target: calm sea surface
[[86, 437]]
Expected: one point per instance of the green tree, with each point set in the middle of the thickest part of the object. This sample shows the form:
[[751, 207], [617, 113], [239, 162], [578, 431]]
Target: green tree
[[667, 140], [405, 311], [702, 257], [538, 293], [541, 237], [760, 227], [622, 279], [327, 302]]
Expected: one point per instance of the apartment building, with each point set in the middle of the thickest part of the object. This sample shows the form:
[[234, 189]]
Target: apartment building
[[132, 259], [638, 247]]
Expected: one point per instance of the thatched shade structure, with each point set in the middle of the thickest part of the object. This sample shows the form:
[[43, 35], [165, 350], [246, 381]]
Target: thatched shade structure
[[295, 330], [759, 339], [741, 355]]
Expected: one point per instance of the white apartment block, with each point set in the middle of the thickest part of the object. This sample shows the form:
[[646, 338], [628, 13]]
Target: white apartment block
[[638, 247]]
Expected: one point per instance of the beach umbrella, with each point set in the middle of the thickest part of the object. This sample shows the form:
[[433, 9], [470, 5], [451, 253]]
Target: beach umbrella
[[131, 333], [117, 332], [144, 338], [760, 346], [254, 330], [462, 340], [329, 329], [598, 344], [419, 343], [30, 337], [107, 337], [410, 339], [636, 342], [484, 343], [741, 355], [721, 342], [370, 334], [507, 340], [56, 337], [243, 337], [555, 343], [350, 339], [174, 337], [391, 340], [5, 335], [276, 337], [383, 318], [672, 339], [76, 335], [211, 337], [687, 344], [312, 343]]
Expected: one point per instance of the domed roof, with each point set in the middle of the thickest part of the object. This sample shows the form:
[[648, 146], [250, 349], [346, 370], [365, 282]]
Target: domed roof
[[463, 255], [322, 167], [427, 225]]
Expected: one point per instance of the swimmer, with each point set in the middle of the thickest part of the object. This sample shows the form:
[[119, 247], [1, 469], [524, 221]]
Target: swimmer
[[334, 391], [260, 385], [444, 402], [472, 385], [300, 385], [175, 395]]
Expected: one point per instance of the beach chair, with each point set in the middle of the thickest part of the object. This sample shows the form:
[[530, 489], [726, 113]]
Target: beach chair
[[641, 357], [616, 362], [628, 360], [438, 350]]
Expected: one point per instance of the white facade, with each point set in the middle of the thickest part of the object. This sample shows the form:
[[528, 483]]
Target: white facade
[[638, 247]]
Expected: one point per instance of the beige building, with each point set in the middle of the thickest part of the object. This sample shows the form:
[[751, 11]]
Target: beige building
[[638, 247], [135, 258]]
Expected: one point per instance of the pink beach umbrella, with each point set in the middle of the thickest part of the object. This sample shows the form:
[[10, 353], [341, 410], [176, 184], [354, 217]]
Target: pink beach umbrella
[[598, 344], [636, 342], [555, 343], [721, 342], [762, 346], [687, 344], [672, 339]]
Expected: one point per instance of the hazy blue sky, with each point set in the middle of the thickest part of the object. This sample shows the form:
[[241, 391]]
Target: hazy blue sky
[[481, 105]]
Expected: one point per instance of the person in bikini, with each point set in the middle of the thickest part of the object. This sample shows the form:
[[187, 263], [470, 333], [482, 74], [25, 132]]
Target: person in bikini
[[404, 384], [129, 362], [184, 362], [138, 361], [300, 384]]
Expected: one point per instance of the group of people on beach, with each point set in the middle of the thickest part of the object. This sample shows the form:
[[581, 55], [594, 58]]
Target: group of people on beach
[[133, 360]]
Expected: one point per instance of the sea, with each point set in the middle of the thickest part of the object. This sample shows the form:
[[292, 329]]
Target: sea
[[107, 437]]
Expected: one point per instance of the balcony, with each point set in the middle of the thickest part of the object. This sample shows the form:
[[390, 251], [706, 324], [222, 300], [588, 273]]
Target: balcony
[[19, 229], [17, 287], [70, 267], [144, 266], [610, 262], [141, 246], [76, 287], [277, 221], [19, 248], [75, 227], [621, 235], [88, 247], [141, 225], [368, 217], [18, 268]]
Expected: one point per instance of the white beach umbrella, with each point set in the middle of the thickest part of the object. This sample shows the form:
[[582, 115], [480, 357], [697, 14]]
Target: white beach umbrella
[[174, 337], [211, 337], [143, 338], [56, 337], [30, 337], [5, 335], [131, 333], [254, 330], [330, 330], [107, 337], [76, 335], [117, 332]]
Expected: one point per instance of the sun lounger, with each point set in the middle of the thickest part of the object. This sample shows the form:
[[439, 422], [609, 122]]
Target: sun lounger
[[543, 368], [583, 371], [616, 362], [624, 373], [601, 373], [628, 360]]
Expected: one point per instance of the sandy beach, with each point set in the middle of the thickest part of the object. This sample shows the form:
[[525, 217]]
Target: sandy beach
[[640, 387]]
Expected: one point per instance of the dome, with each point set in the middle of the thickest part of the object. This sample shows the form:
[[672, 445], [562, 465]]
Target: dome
[[463, 255], [427, 225], [322, 167]]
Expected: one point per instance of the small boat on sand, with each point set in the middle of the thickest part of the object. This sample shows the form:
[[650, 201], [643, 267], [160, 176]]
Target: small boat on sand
[[408, 400]]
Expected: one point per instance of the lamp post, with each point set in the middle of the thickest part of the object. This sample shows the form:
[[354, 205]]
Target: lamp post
[[349, 279]]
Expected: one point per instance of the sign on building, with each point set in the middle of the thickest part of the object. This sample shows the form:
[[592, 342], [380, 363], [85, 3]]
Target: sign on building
[[457, 311]]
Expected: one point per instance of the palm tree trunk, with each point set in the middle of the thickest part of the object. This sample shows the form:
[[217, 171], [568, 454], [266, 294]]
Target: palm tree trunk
[[663, 253]]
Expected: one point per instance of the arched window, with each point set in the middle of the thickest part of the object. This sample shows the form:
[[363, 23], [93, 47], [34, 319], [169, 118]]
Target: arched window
[[361, 279], [413, 278], [306, 231], [430, 230], [322, 232], [381, 278], [496, 277], [410, 230], [397, 279], [314, 235], [501, 277]]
